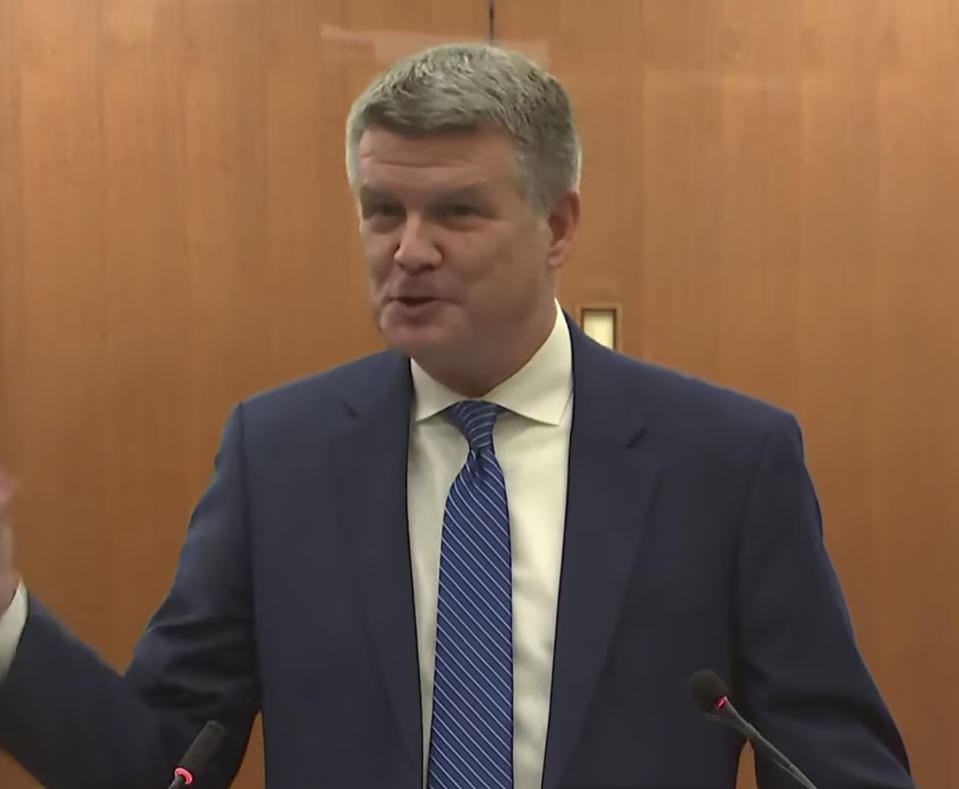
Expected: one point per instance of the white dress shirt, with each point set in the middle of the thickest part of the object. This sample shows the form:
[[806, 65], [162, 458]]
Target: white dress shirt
[[531, 441]]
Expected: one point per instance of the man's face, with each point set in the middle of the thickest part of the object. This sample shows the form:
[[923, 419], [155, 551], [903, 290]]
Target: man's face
[[457, 259]]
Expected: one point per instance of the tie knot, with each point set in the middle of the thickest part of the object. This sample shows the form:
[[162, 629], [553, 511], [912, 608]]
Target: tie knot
[[475, 419]]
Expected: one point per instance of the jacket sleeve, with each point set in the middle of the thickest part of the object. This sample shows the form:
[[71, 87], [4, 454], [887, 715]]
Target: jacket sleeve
[[800, 676], [73, 722]]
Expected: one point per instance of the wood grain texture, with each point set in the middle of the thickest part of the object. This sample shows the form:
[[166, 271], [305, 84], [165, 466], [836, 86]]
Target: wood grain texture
[[770, 190], [175, 233], [770, 193]]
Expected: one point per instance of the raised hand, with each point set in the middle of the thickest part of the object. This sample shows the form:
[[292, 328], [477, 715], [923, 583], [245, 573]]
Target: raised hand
[[9, 577]]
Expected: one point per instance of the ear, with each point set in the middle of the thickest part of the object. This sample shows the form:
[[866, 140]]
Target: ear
[[563, 219]]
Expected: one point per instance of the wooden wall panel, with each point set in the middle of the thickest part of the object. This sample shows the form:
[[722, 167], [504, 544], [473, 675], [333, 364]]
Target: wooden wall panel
[[770, 191], [770, 194], [175, 233]]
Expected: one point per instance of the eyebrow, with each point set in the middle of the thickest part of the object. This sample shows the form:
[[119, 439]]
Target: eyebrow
[[371, 194]]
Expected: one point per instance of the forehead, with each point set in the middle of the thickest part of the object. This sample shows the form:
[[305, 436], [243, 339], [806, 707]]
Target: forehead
[[444, 159]]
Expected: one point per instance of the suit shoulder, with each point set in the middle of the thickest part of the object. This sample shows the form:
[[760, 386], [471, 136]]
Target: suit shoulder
[[313, 392], [696, 402]]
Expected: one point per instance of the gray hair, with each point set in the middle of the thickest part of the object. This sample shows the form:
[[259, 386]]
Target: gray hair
[[465, 86]]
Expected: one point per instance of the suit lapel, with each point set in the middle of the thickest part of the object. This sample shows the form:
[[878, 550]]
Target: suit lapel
[[370, 485], [610, 487]]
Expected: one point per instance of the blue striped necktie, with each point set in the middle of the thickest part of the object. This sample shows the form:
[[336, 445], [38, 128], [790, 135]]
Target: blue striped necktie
[[471, 739]]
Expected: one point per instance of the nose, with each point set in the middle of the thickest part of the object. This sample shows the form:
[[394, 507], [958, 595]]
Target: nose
[[417, 249]]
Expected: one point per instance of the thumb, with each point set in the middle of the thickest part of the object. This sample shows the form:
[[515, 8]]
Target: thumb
[[8, 487], [6, 544]]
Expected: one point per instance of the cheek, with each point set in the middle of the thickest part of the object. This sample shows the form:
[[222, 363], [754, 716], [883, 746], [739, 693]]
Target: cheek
[[483, 259], [514, 270], [378, 260]]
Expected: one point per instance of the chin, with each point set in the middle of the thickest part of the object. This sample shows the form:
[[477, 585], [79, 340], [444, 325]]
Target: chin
[[415, 340], [417, 332]]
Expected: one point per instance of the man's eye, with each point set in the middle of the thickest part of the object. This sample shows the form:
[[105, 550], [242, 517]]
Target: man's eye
[[459, 209], [388, 210]]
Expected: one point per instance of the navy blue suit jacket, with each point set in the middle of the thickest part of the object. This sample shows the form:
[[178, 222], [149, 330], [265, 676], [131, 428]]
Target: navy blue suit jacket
[[692, 540]]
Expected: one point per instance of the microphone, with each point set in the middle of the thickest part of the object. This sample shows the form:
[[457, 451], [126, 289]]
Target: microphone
[[197, 755], [712, 697]]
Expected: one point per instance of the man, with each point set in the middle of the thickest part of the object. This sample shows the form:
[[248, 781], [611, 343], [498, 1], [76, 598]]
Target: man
[[489, 556]]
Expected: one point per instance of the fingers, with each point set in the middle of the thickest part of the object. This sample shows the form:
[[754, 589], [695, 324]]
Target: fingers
[[9, 579], [6, 544], [8, 487]]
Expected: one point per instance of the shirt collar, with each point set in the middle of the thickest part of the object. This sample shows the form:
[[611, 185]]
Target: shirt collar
[[539, 390]]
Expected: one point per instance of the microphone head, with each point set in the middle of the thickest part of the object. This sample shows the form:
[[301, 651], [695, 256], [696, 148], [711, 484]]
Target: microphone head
[[199, 753], [707, 689]]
